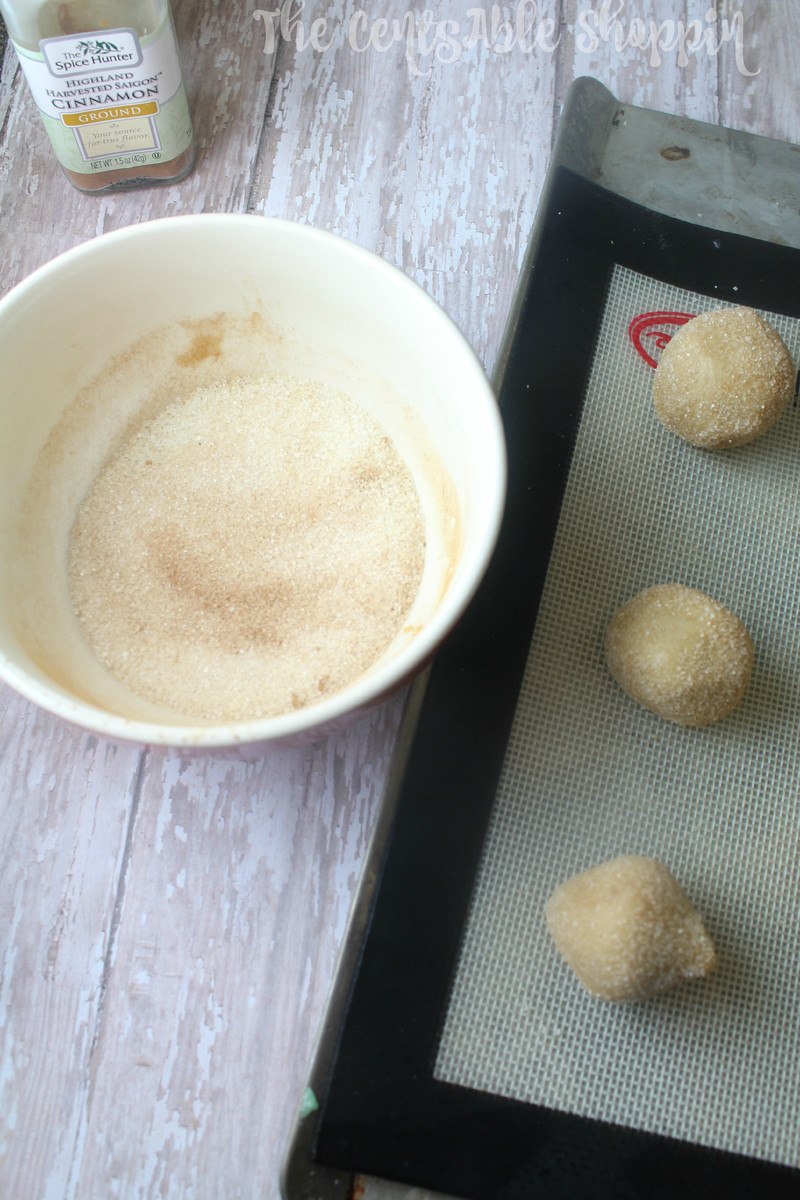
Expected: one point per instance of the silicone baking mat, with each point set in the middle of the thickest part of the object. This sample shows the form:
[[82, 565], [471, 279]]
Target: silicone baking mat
[[589, 775], [458, 1053]]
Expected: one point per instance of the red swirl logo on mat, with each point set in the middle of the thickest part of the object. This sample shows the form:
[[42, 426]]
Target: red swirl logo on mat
[[649, 327]]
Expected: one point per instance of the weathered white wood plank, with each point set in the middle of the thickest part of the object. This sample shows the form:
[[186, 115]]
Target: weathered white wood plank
[[235, 905], [481, 144], [65, 803], [439, 171], [759, 71], [652, 56]]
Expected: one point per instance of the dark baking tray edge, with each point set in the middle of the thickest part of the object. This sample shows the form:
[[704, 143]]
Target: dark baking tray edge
[[383, 1113]]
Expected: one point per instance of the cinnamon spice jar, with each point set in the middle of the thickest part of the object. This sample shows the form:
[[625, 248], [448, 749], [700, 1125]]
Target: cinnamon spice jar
[[107, 80]]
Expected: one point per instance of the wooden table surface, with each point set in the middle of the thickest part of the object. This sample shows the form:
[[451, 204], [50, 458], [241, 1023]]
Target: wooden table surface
[[170, 925]]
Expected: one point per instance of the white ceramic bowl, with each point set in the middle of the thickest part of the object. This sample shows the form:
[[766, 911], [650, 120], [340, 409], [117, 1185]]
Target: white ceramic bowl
[[93, 334]]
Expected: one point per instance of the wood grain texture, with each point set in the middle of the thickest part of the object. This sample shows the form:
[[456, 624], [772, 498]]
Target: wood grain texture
[[66, 804], [438, 172], [644, 58], [171, 925], [236, 900], [755, 70]]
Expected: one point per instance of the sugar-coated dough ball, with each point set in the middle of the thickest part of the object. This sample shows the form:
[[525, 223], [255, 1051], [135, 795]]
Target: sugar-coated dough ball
[[627, 929], [723, 379], [680, 653]]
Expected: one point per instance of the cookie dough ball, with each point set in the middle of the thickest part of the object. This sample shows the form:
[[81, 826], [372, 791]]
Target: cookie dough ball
[[627, 929], [723, 379], [680, 653]]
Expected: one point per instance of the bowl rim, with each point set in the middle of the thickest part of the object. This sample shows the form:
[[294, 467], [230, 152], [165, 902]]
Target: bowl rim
[[370, 689]]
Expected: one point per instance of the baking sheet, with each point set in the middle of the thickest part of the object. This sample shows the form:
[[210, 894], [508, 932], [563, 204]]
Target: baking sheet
[[589, 775], [396, 1099]]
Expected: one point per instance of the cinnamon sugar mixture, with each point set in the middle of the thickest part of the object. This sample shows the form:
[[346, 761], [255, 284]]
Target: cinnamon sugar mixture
[[252, 549]]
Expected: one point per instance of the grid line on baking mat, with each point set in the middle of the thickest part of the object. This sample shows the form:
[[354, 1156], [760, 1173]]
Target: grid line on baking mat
[[589, 775]]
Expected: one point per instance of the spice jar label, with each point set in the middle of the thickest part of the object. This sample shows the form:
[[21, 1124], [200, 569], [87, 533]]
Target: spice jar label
[[110, 99]]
